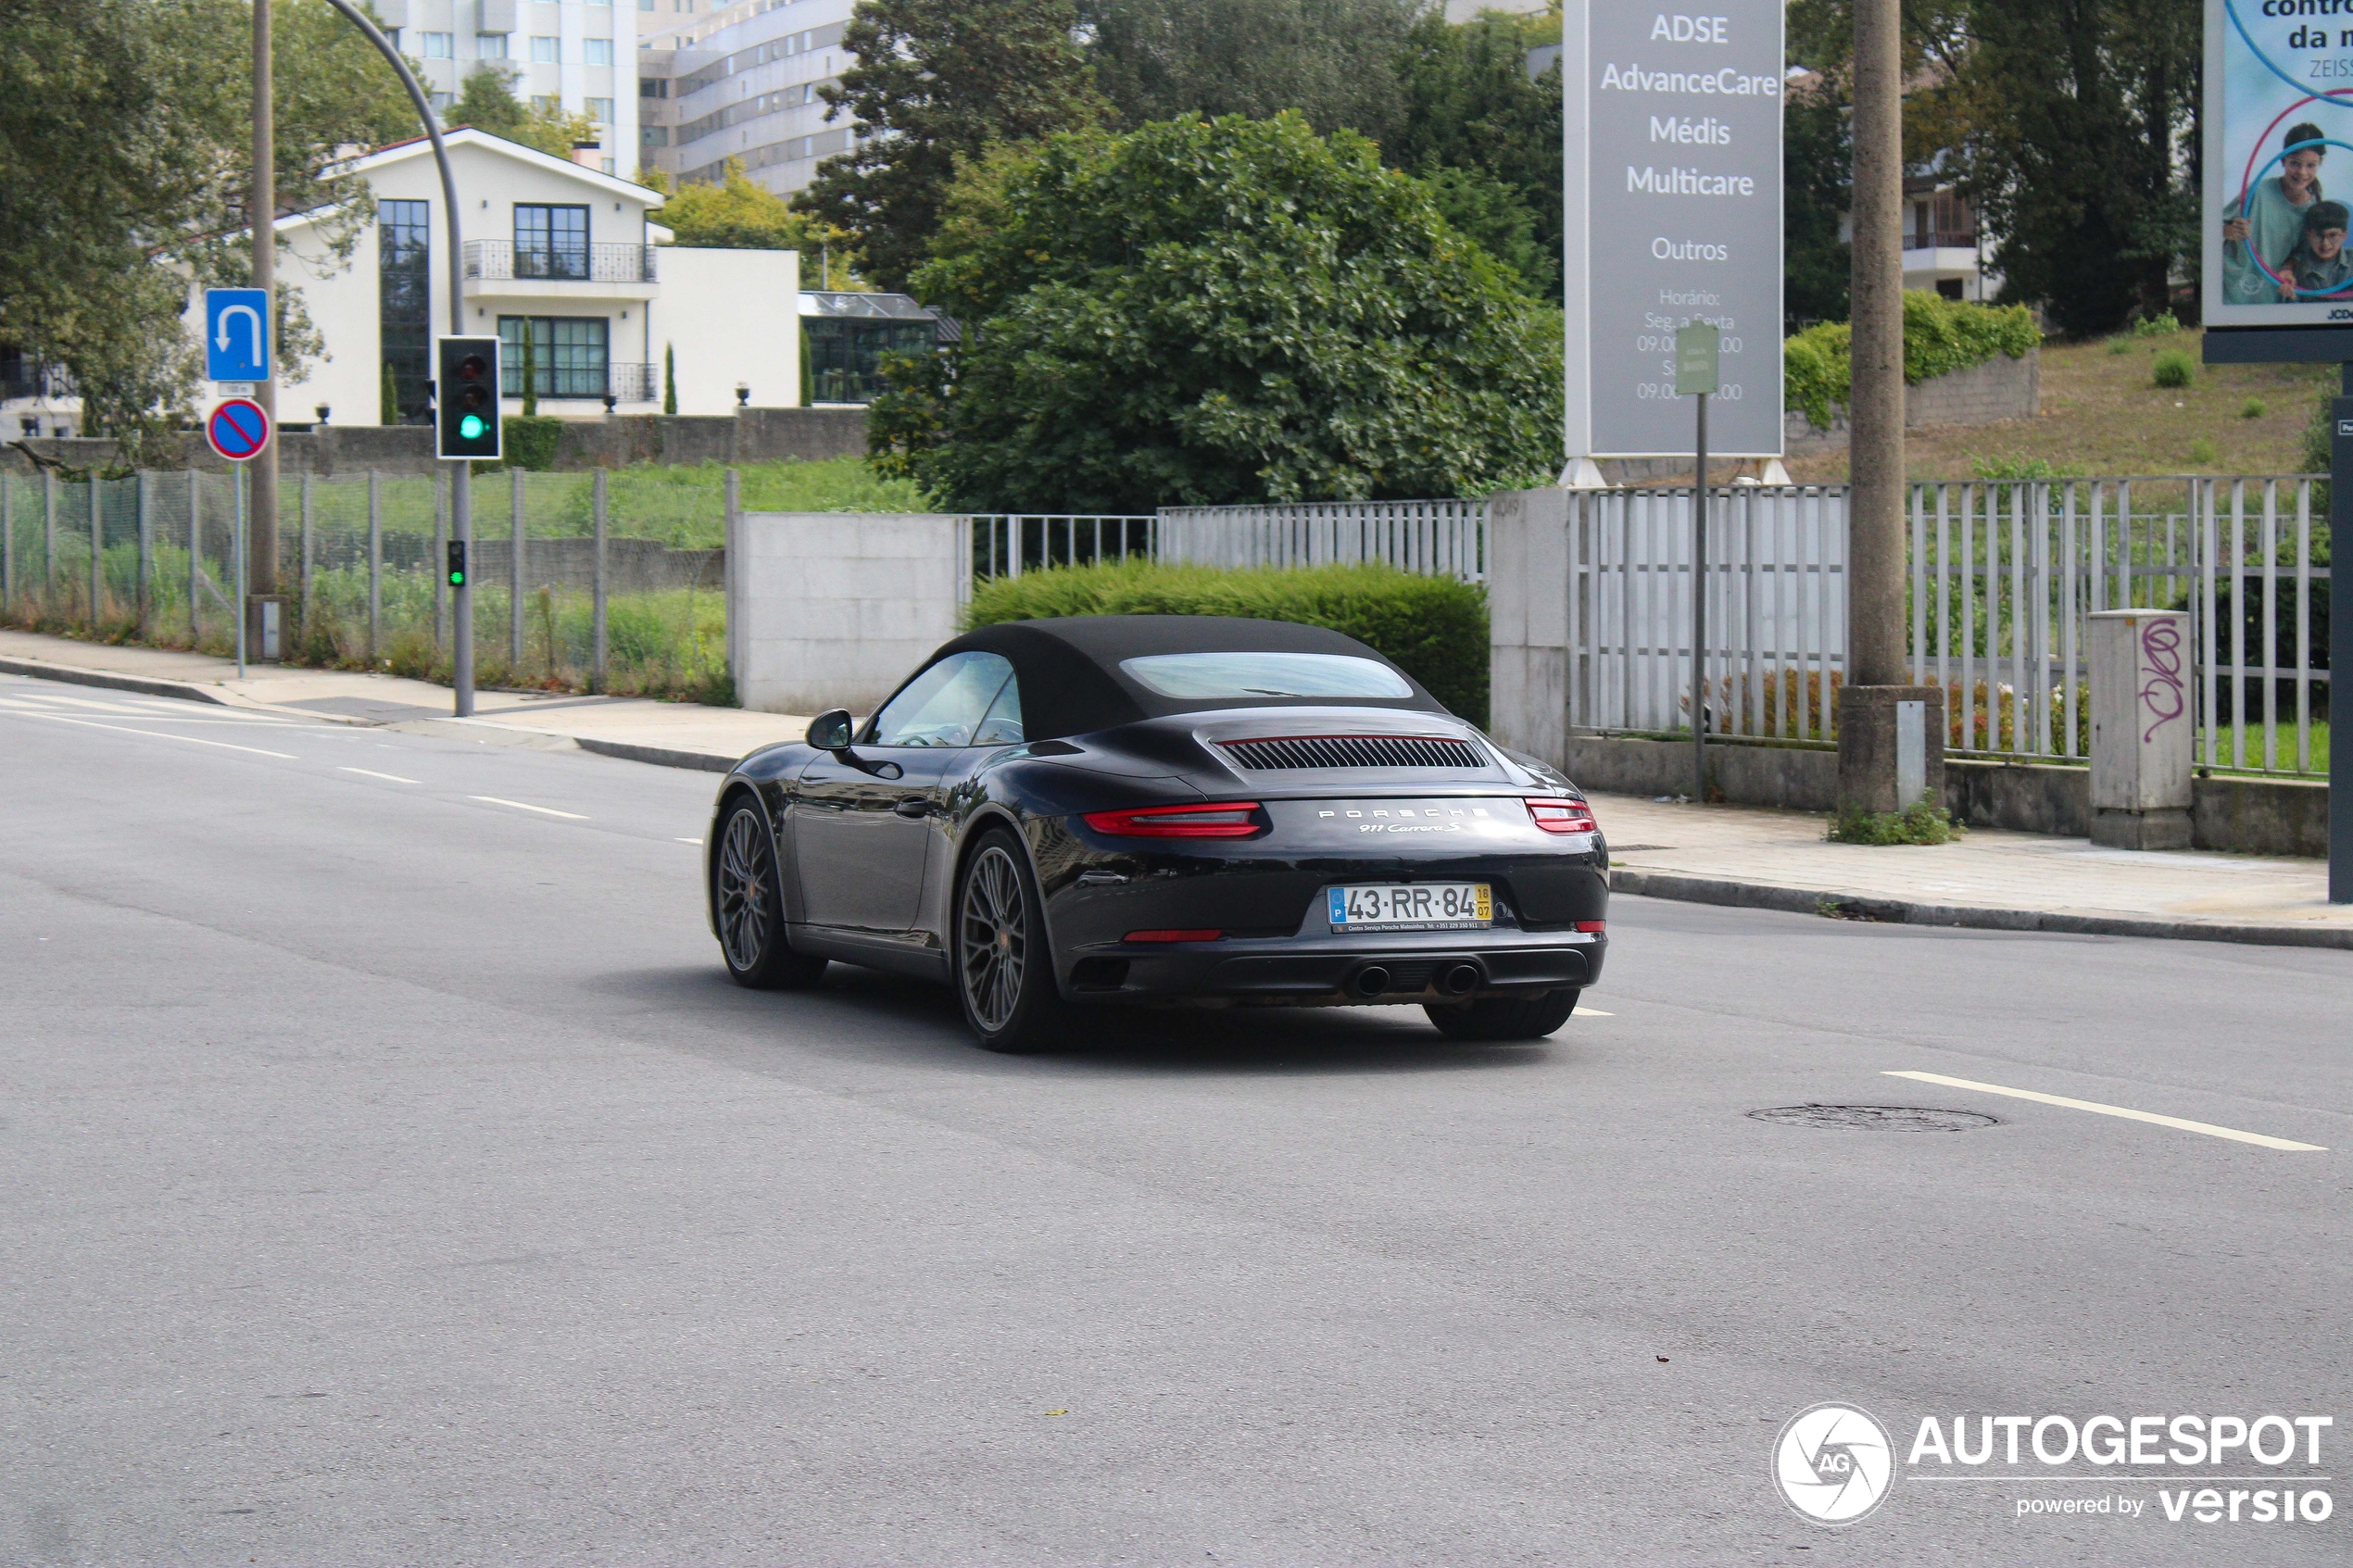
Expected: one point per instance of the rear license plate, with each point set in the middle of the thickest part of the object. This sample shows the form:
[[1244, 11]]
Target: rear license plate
[[1417, 906]]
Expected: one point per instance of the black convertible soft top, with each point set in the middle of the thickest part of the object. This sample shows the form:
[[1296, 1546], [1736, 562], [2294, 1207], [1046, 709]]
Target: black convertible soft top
[[1072, 684]]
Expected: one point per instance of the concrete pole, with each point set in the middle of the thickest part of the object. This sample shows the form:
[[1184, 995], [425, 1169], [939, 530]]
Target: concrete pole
[[596, 608], [1875, 525], [261, 510]]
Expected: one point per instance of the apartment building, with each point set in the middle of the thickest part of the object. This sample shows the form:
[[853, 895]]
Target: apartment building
[[740, 80], [574, 54]]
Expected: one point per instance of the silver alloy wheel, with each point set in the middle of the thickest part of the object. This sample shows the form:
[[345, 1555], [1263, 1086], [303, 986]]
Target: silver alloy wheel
[[743, 891], [994, 939]]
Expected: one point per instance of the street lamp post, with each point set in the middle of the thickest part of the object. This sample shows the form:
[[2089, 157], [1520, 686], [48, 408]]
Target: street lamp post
[[461, 505]]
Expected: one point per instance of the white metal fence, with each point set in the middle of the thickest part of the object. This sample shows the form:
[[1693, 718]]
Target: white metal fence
[[1433, 538]]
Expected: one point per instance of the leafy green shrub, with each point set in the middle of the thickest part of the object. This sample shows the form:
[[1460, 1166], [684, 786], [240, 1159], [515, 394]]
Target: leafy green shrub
[[2018, 465], [2120, 346], [2173, 369], [1940, 336], [1435, 628], [2202, 452], [531, 440], [1920, 823], [2252, 408], [2162, 324]]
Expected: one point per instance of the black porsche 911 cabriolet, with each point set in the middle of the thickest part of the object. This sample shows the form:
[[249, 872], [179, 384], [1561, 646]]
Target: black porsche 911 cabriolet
[[1059, 815]]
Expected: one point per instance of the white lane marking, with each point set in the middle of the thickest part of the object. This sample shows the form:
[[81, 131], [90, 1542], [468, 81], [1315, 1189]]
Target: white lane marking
[[371, 772], [139, 709], [178, 713], [520, 806], [1593, 1012], [696, 841], [162, 735], [2178, 1123]]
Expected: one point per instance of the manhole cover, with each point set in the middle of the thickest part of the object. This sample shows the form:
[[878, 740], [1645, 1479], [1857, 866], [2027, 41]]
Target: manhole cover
[[1886, 1118]]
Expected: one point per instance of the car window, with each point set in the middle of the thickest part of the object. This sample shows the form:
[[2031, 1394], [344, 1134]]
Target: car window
[[943, 705], [1003, 727], [1265, 675]]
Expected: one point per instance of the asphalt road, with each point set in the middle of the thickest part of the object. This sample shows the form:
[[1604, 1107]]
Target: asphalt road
[[392, 1175]]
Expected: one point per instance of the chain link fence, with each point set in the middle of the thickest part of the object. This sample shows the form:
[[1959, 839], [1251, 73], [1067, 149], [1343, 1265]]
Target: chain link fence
[[152, 558]]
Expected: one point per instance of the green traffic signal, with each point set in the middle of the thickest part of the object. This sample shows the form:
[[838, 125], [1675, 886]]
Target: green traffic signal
[[471, 426]]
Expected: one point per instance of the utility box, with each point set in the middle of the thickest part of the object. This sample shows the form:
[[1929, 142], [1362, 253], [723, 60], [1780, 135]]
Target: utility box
[[2143, 726]]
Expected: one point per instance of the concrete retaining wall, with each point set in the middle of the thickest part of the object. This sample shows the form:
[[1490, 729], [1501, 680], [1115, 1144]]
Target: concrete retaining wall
[[2247, 816], [2002, 388], [833, 609], [751, 435]]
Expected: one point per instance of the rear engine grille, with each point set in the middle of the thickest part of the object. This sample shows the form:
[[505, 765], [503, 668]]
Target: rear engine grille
[[1354, 751]]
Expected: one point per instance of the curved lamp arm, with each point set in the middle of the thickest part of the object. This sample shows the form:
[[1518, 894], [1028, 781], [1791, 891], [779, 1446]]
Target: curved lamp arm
[[359, 18]]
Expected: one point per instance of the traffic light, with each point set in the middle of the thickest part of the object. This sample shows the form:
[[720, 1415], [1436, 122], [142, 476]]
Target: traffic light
[[467, 406], [457, 563]]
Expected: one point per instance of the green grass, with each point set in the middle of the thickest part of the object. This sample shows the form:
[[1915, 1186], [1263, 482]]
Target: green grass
[[2226, 755], [686, 506]]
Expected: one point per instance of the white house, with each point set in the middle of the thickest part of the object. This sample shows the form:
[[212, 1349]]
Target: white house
[[555, 251]]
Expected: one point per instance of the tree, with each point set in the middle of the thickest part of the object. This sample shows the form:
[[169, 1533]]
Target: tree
[[488, 104], [1470, 104], [1202, 312], [125, 127], [1332, 60], [736, 214], [1817, 164], [934, 82], [668, 379], [2080, 146]]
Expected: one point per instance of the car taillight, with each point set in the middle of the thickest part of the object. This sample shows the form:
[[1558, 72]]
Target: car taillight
[[1592, 927], [1226, 819], [1563, 816]]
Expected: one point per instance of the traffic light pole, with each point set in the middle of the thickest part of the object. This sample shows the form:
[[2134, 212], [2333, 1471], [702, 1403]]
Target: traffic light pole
[[461, 503]]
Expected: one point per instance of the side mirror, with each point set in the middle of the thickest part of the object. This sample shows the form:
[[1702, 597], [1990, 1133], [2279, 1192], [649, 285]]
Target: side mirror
[[830, 730]]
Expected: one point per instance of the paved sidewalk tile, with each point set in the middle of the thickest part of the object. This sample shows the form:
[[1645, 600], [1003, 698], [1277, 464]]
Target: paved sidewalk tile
[[1986, 867]]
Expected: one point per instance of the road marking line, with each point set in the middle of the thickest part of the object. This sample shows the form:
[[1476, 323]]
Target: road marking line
[[1593, 1012], [543, 811], [163, 734], [693, 841], [371, 772], [2178, 1123]]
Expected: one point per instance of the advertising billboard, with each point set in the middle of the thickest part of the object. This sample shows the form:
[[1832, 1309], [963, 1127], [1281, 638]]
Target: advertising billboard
[[1672, 128], [2278, 123]]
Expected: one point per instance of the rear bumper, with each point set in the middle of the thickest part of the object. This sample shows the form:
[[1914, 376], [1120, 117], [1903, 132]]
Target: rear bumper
[[1439, 966]]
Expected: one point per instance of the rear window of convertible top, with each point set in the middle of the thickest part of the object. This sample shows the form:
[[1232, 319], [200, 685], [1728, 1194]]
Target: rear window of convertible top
[[1264, 674]]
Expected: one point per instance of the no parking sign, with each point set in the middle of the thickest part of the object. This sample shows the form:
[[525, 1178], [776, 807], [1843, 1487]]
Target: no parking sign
[[238, 429]]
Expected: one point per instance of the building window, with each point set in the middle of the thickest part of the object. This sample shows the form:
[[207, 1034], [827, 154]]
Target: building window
[[653, 136], [653, 87], [404, 306], [599, 110], [567, 353], [440, 45], [846, 354], [544, 50], [490, 45], [441, 102], [546, 103], [596, 51], [550, 242]]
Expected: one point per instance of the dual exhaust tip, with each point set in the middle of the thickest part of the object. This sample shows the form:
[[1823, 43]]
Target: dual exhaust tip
[[1453, 979]]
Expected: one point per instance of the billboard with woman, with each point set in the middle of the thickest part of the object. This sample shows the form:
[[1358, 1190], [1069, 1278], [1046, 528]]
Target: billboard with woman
[[2278, 162]]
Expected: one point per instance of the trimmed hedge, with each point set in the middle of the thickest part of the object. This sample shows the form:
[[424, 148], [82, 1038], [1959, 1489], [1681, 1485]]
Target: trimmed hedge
[[530, 440], [1434, 627], [1940, 336]]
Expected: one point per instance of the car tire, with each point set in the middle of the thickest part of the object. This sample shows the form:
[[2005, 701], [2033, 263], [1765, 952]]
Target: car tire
[[1504, 1018], [747, 902], [1004, 965]]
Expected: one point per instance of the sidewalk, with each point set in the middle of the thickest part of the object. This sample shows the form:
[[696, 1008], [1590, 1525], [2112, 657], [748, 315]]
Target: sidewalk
[[1704, 854], [676, 733]]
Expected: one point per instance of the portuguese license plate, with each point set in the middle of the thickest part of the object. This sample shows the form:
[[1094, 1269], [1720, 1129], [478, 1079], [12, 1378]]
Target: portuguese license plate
[[1416, 906]]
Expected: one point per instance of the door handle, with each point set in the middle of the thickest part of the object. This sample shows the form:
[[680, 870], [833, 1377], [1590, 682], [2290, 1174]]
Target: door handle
[[914, 806]]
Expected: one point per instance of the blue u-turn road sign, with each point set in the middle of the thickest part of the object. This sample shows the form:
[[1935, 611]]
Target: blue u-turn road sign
[[236, 335]]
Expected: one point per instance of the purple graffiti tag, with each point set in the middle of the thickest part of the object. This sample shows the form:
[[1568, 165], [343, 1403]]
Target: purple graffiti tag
[[2163, 696]]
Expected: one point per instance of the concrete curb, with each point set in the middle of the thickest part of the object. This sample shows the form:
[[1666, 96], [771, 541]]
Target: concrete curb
[[660, 755], [1847, 906], [41, 669]]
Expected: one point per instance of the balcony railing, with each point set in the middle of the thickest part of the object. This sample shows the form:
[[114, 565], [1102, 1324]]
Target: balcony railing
[[497, 259], [1941, 239], [631, 384]]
